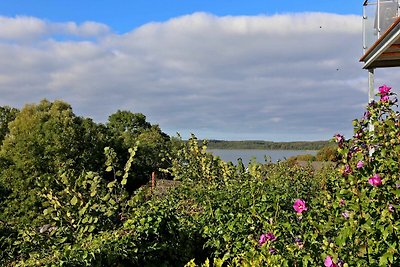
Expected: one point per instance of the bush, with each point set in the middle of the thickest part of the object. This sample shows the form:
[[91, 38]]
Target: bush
[[328, 153]]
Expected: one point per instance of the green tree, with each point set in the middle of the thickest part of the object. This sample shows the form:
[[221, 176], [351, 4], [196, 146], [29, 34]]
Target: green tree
[[44, 140], [7, 115], [328, 153], [127, 124], [128, 130]]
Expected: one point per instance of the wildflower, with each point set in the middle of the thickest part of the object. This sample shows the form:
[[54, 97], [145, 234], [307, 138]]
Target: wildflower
[[339, 138], [391, 208], [385, 98], [270, 236], [360, 164], [329, 262], [263, 240], [272, 251], [398, 186], [299, 206], [375, 180], [266, 237], [345, 214], [342, 202], [347, 170], [384, 90], [358, 135]]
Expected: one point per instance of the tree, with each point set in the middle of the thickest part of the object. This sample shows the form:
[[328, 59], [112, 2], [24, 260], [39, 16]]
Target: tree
[[44, 140], [7, 115], [130, 130], [127, 123]]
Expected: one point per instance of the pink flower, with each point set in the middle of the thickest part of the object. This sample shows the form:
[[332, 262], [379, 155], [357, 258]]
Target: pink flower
[[299, 206], [384, 89], [375, 180], [329, 262], [385, 98], [272, 251], [270, 236], [360, 164], [347, 170], [266, 237], [391, 208], [342, 202], [263, 240], [339, 138], [345, 214]]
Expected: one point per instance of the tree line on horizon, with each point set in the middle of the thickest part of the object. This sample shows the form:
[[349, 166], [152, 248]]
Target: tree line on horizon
[[267, 145]]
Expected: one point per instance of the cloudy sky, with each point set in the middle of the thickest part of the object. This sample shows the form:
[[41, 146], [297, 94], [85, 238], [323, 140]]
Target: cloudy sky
[[226, 69]]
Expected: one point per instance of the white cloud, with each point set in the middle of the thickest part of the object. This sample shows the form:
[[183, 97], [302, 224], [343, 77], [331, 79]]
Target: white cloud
[[289, 76], [24, 28], [21, 28], [86, 29]]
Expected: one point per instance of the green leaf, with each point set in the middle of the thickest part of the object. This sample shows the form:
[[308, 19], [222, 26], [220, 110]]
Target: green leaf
[[111, 184], [74, 200], [109, 168]]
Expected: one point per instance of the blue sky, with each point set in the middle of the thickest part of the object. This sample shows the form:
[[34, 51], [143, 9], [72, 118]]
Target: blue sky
[[122, 16], [233, 70]]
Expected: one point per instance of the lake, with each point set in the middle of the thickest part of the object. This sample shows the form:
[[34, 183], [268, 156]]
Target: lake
[[248, 154]]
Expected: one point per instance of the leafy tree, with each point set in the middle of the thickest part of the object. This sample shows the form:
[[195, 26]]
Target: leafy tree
[[7, 114], [127, 124], [328, 153], [128, 130], [44, 140]]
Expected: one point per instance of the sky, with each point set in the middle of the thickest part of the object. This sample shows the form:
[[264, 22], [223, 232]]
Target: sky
[[221, 69]]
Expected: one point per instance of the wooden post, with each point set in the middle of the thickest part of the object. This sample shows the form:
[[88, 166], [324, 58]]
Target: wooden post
[[153, 180]]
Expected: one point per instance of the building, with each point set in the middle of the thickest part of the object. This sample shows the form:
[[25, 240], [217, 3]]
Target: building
[[381, 37]]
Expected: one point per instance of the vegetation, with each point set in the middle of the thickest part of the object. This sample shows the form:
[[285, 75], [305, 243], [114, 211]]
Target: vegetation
[[218, 214], [266, 145], [326, 153]]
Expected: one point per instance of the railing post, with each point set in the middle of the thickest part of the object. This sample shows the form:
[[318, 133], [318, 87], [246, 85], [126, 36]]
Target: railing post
[[398, 8], [378, 18]]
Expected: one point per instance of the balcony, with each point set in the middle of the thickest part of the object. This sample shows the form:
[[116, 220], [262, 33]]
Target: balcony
[[381, 34]]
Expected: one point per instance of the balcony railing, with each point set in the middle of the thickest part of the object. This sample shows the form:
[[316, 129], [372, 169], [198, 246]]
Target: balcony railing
[[378, 16]]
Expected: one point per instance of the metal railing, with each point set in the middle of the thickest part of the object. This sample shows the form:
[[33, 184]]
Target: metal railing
[[378, 16]]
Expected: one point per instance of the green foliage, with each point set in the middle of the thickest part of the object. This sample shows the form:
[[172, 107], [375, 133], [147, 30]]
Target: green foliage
[[328, 153], [129, 129], [220, 214], [369, 188], [7, 115], [266, 145], [43, 140], [304, 157]]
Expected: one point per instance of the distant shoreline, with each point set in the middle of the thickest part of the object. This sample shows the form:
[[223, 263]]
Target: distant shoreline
[[266, 145]]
